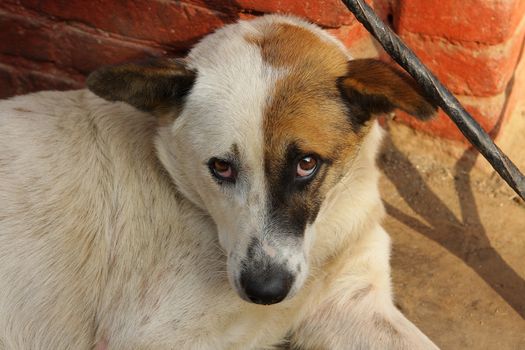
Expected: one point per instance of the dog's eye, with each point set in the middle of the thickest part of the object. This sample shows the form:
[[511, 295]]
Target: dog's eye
[[222, 170], [306, 167]]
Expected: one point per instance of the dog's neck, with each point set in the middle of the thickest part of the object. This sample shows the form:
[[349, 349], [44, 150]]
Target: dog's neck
[[165, 145], [353, 206]]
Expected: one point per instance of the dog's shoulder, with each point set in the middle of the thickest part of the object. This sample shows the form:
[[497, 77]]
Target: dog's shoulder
[[65, 132], [65, 154], [78, 116]]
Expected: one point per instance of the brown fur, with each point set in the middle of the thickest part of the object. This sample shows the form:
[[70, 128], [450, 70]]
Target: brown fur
[[381, 88], [280, 50], [306, 109], [322, 106], [156, 85]]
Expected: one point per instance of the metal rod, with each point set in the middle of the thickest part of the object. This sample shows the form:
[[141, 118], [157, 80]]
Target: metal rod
[[407, 59]]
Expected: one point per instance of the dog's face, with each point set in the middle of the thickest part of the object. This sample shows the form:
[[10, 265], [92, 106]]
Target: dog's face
[[269, 115]]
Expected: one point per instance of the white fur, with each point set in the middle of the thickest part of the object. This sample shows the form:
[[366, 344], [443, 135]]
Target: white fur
[[102, 243]]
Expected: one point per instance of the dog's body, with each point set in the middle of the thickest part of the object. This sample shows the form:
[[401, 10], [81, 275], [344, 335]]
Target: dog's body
[[111, 237]]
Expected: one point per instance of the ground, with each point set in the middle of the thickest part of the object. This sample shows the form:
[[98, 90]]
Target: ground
[[458, 236]]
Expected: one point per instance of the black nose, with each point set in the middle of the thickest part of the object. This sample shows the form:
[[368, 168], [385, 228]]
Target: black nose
[[266, 286]]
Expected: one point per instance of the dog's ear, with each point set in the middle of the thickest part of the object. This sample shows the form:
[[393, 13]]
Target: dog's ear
[[376, 88], [152, 85]]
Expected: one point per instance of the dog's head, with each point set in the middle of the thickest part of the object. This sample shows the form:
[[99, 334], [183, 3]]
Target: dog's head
[[268, 114]]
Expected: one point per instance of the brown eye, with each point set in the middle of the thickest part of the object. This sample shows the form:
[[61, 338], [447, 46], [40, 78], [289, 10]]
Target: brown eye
[[222, 170], [306, 167]]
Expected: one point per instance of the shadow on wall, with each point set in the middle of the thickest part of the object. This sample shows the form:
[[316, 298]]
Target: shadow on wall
[[468, 239]]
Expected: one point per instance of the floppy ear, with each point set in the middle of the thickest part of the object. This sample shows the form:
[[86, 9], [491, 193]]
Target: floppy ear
[[378, 88], [150, 85]]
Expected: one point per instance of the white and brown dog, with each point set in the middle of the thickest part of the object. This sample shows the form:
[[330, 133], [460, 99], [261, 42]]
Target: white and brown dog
[[225, 201]]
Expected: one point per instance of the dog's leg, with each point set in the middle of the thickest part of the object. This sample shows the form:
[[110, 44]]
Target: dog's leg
[[356, 310], [360, 327], [367, 320]]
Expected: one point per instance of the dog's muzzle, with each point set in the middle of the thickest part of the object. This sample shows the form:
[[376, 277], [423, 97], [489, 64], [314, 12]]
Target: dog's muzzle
[[267, 285]]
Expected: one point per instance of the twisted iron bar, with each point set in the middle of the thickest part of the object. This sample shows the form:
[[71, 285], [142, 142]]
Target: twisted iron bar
[[407, 59]]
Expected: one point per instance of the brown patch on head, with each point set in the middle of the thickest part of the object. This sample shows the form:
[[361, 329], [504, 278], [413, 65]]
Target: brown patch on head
[[305, 115], [305, 107], [286, 45], [320, 106]]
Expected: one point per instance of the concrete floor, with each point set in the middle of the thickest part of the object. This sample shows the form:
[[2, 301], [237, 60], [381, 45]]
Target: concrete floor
[[458, 242]]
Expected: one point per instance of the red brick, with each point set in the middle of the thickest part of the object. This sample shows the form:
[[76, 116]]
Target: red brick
[[226, 7], [16, 80], [383, 8], [487, 111], [31, 81], [510, 135], [8, 83], [246, 16], [65, 45], [328, 13], [95, 51], [23, 35], [485, 21], [170, 23], [469, 69], [349, 35], [516, 95], [358, 41]]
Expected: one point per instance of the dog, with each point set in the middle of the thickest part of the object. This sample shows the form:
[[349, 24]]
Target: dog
[[227, 200]]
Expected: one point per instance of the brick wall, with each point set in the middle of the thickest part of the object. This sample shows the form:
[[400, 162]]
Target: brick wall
[[472, 45]]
